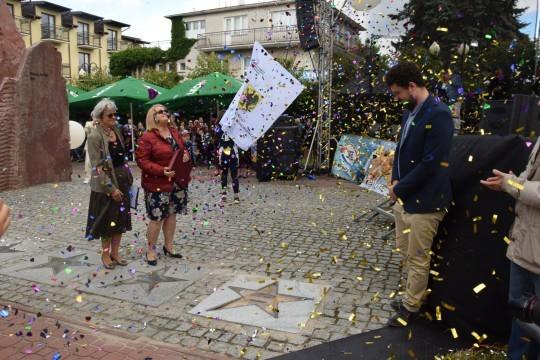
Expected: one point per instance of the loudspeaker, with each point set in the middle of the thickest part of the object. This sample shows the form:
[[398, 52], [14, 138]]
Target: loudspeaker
[[525, 116], [305, 19], [496, 117], [278, 153]]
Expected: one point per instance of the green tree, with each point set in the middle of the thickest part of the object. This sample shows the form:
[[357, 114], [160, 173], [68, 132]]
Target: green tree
[[166, 79], [97, 78], [209, 63], [180, 45], [451, 23], [125, 62]]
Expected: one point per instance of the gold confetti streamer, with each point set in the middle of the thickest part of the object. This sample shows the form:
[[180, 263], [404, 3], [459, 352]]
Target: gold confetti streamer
[[479, 288], [454, 333], [516, 184]]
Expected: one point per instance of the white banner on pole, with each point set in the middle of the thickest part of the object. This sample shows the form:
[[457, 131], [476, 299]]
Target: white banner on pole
[[267, 92]]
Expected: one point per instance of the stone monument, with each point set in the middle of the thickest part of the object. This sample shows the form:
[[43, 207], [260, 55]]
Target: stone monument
[[34, 132]]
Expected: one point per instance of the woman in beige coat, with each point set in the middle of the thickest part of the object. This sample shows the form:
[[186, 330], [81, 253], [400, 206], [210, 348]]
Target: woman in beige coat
[[109, 210], [524, 250]]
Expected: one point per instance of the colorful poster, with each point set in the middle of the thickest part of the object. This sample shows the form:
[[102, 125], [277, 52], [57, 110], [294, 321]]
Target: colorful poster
[[365, 161], [267, 92], [378, 168], [351, 157]]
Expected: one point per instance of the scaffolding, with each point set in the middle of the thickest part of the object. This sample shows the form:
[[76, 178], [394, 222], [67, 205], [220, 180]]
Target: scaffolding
[[320, 149]]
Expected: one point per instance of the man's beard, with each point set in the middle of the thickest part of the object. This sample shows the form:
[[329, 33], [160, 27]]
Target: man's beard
[[410, 105]]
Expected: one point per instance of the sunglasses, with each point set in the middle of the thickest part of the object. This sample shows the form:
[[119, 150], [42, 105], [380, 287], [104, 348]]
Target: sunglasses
[[161, 111], [110, 116]]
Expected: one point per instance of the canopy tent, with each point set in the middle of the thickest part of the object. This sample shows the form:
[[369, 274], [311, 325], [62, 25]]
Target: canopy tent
[[200, 94], [129, 94], [73, 92]]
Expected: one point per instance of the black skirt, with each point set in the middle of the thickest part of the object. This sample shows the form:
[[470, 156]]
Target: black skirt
[[107, 217]]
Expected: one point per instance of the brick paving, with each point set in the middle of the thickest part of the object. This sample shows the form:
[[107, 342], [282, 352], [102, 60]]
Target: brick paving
[[27, 335], [300, 230]]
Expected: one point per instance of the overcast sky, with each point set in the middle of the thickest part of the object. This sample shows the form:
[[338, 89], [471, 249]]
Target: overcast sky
[[147, 16]]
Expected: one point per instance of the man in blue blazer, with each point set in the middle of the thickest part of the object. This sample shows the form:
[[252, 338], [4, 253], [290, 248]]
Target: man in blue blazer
[[420, 182]]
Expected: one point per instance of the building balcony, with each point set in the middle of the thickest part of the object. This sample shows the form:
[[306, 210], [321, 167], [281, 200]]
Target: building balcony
[[23, 25], [55, 34], [112, 46], [66, 71], [88, 41], [239, 39]]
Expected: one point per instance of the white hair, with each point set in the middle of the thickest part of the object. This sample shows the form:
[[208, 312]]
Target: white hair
[[101, 107]]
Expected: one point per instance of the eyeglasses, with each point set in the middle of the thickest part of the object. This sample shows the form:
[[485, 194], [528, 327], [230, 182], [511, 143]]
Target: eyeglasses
[[110, 116], [162, 111]]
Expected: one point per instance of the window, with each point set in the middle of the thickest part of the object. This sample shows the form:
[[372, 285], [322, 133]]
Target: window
[[284, 18], [11, 9], [112, 41], [84, 62], [236, 23], [83, 34], [48, 26], [195, 28], [247, 62], [182, 66]]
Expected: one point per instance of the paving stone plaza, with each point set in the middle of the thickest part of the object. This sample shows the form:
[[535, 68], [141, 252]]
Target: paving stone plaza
[[287, 268]]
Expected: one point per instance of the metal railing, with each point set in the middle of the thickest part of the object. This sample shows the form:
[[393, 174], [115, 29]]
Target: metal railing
[[112, 45], [54, 33], [23, 25], [278, 35], [66, 70], [88, 40]]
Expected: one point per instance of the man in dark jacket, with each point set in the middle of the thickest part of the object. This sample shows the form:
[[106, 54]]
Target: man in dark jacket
[[420, 182]]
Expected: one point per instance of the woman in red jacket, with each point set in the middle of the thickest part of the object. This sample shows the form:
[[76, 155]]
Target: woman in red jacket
[[166, 167]]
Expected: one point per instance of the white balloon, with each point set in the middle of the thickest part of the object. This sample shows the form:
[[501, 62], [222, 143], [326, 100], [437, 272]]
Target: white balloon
[[364, 5], [76, 134]]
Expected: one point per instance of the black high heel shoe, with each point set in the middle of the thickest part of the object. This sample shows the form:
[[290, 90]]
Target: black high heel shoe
[[170, 254], [151, 262]]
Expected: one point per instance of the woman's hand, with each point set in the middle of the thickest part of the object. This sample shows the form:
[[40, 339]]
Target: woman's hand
[[117, 195], [186, 156], [168, 172], [4, 218]]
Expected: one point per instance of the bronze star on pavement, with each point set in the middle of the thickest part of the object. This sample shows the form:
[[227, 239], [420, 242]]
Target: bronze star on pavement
[[266, 298], [152, 280]]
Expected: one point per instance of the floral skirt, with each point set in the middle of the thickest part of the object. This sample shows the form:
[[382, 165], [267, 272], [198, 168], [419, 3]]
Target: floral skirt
[[159, 205]]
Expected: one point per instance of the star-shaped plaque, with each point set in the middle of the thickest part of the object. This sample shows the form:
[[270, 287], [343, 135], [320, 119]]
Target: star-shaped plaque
[[6, 249], [266, 298], [151, 280], [58, 264]]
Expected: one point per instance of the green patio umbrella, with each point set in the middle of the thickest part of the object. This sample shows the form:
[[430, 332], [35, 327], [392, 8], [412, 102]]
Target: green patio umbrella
[[73, 92], [200, 93], [129, 94]]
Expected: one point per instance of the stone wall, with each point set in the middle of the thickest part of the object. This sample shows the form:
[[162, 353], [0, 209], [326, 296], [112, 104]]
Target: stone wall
[[34, 135]]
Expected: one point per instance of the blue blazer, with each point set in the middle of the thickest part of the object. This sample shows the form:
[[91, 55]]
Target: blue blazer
[[421, 162]]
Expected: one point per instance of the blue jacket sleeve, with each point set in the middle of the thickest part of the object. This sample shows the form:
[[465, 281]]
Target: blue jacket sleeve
[[438, 141]]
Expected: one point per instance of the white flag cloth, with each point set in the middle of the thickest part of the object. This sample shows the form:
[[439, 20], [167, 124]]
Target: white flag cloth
[[267, 92]]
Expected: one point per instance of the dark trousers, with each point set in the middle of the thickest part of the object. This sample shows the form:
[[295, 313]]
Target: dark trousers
[[522, 283], [228, 163]]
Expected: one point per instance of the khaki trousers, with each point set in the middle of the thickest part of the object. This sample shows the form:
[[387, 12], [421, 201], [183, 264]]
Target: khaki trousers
[[414, 237]]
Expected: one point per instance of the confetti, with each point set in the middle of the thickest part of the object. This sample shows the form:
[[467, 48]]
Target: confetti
[[454, 333], [478, 288]]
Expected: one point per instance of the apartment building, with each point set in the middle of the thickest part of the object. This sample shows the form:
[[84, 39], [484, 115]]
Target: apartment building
[[84, 40], [231, 31]]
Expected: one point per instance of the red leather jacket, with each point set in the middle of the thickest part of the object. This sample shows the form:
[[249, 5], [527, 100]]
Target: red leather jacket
[[154, 154]]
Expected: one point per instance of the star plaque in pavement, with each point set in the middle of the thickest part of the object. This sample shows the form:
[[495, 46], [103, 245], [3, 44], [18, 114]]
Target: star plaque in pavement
[[6, 249], [266, 298], [148, 281], [58, 264]]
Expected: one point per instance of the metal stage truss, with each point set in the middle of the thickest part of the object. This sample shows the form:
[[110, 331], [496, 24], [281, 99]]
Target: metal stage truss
[[320, 149]]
